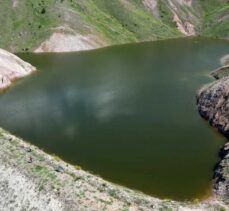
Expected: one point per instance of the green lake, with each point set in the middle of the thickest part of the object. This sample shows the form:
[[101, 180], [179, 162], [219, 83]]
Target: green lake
[[127, 113]]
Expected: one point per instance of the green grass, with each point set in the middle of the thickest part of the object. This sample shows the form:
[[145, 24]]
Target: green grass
[[216, 25], [26, 26], [23, 27], [31, 22]]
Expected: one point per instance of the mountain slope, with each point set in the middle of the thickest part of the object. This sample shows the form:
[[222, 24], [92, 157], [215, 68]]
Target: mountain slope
[[96, 23], [216, 19]]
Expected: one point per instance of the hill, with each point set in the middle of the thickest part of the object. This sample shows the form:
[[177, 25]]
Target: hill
[[66, 25]]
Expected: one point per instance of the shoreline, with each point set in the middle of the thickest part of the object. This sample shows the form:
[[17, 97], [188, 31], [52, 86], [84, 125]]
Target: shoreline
[[57, 185], [212, 104], [129, 43], [67, 187]]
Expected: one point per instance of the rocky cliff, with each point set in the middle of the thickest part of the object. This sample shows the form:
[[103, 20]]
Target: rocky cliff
[[70, 25], [213, 105]]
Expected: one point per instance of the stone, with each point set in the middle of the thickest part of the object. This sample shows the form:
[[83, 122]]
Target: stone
[[59, 169], [29, 159], [28, 149]]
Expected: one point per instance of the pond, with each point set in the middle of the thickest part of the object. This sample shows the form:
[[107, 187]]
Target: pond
[[127, 113]]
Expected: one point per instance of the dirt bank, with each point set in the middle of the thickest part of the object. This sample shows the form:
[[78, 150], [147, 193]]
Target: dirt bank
[[64, 42]]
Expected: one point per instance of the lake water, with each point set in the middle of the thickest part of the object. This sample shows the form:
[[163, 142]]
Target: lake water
[[126, 113]]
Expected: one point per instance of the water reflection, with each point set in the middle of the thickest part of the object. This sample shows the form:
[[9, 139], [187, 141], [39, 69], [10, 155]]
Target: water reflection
[[127, 113]]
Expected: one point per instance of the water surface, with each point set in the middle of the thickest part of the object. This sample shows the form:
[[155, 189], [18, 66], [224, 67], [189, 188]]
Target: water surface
[[126, 113]]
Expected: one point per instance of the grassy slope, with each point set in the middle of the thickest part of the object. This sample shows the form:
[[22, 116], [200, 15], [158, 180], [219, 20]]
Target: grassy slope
[[31, 22], [216, 18], [25, 26], [134, 17]]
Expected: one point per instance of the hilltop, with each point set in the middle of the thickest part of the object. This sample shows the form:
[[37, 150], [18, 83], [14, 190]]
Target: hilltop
[[68, 25]]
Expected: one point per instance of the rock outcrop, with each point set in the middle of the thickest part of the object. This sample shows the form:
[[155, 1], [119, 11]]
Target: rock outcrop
[[220, 72], [11, 68], [63, 42], [213, 105], [221, 176]]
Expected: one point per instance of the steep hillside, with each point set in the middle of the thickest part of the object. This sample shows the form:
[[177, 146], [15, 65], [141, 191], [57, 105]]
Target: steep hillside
[[216, 18], [85, 24]]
